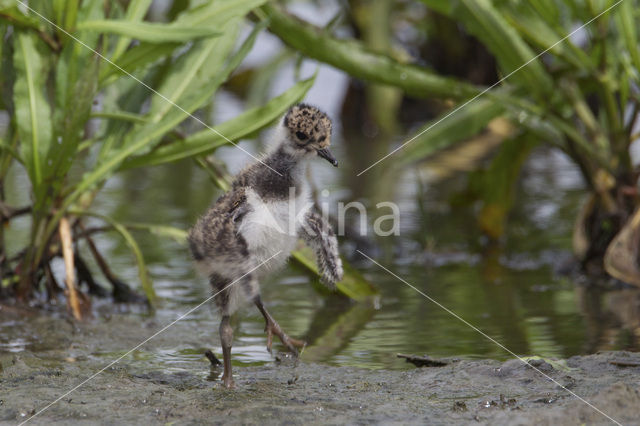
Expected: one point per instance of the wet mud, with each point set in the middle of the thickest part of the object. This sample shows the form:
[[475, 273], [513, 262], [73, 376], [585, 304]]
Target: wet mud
[[142, 390]]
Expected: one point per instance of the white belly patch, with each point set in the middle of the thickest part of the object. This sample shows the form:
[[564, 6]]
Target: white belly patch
[[272, 227]]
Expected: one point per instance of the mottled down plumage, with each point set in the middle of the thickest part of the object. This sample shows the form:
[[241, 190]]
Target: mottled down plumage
[[266, 211]]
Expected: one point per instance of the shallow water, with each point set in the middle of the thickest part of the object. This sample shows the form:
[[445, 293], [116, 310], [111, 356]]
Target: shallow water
[[510, 292]]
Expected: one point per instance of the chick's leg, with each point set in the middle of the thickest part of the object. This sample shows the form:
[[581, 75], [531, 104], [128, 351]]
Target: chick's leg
[[226, 338], [220, 285], [272, 327]]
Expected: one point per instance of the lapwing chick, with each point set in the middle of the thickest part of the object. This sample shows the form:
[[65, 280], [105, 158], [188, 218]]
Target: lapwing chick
[[252, 229]]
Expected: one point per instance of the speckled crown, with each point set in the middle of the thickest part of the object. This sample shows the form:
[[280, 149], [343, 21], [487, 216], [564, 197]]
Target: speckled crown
[[308, 125]]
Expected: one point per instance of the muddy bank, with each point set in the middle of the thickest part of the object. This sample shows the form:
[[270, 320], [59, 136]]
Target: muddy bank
[[139, 389]]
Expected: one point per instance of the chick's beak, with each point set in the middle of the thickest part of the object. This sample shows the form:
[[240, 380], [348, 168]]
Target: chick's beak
[[326, 154]]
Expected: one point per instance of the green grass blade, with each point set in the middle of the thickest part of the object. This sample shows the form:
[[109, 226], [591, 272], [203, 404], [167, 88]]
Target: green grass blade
[[120, 115], [192, 72], [75, 58], [625, 17], [527, 20], [353, 285], [58, 11], [486, 22], [442, 132], [7, 148], [217, 13], [165, 231], [142, 140], [149, 32], [444, 7], [194, 84], [136, 58], [143, 274], [71, 13], [206, 141], [495, 186], [548, 9], [210, 15], [33, 112], [359, 62], [10, 13], [136, 10], [71, 118], [7, 71], [75, 89], [191, 85]]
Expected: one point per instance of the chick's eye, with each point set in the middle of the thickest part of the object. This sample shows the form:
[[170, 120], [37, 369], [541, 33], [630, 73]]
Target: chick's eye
[[301, 135]]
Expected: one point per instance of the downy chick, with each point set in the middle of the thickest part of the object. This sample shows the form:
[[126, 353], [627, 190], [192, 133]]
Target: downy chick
[[261, 218]]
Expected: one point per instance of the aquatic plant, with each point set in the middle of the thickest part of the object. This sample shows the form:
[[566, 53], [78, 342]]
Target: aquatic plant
[[90, 89], [570, 80]]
